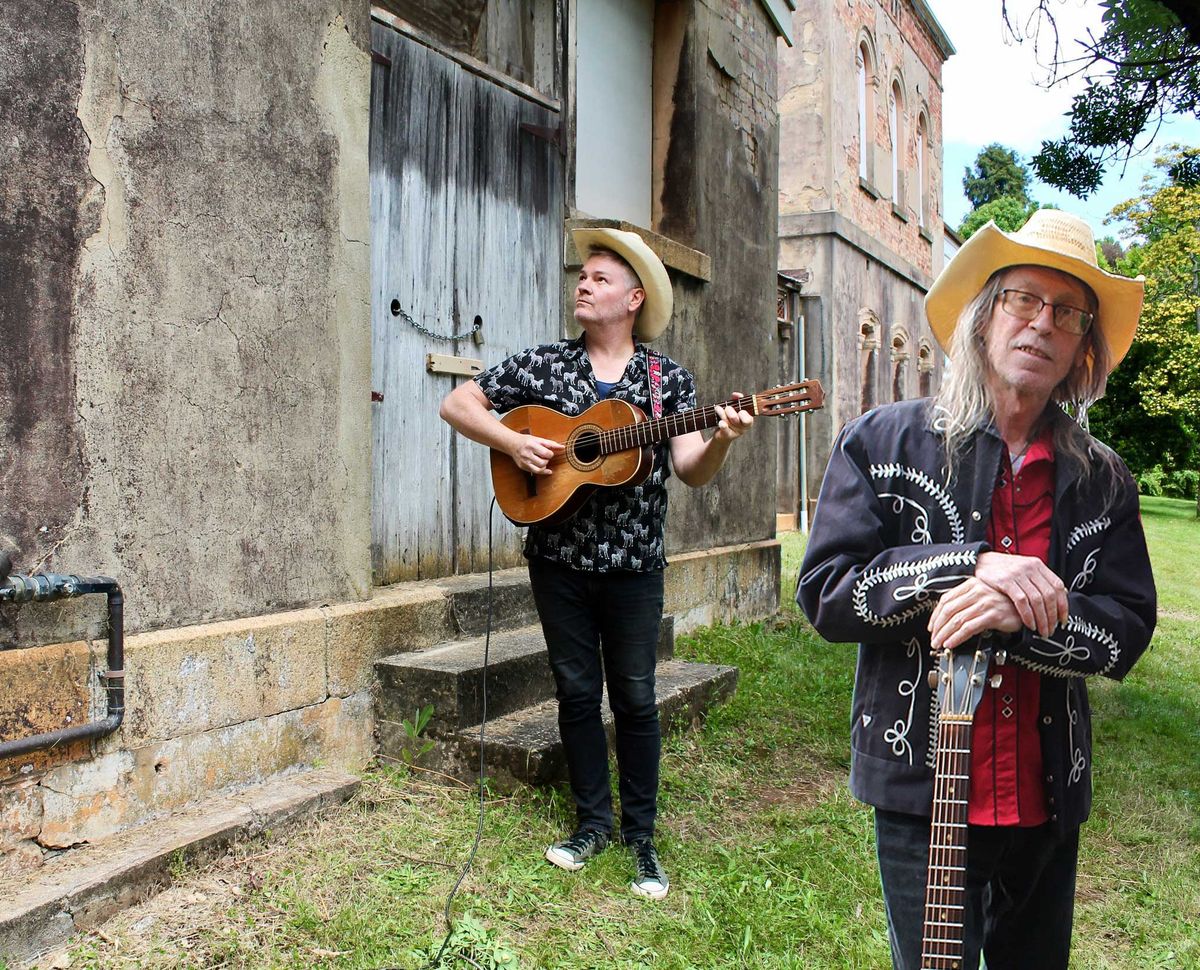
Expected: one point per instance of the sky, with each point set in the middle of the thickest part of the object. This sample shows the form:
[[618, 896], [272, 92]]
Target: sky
[[991, 94]]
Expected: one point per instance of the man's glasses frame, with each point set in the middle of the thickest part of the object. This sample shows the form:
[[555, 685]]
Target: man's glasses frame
[[1027, 306]]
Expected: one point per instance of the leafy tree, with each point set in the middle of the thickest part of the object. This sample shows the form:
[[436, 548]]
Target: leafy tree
[[1143, 67], [998, 172], [1008, 212], [1152, 412], [1110, 252]]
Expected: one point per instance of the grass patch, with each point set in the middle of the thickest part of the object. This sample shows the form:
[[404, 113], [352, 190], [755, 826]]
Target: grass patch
[[772, 863]]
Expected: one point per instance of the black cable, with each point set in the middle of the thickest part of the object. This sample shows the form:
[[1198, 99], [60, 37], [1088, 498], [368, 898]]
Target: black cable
[[487, 643]]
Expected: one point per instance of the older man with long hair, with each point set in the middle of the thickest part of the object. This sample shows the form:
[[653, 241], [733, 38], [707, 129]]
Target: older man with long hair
[[988, 517]]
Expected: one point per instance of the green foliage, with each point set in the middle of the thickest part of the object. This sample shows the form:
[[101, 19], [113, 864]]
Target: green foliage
[[1008, 212], [1151, 414], [1143, 67], [474, 943], [998, 172], [415, 746]]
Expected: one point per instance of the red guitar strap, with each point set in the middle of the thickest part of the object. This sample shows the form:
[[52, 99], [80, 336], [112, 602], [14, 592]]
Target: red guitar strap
[[655, 363]]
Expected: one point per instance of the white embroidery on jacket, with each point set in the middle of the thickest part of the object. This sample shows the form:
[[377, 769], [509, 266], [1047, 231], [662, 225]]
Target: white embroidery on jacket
[[920, 533], [897, 734], [1066, 651], [1087, 529], [920, 569], [931, 488], [1078, 761], [1084, 576]]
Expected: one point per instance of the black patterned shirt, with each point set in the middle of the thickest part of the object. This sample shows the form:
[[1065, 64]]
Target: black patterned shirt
[[616, 528]]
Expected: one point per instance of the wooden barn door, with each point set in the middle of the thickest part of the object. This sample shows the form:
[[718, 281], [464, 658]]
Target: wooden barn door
[[466, 213]]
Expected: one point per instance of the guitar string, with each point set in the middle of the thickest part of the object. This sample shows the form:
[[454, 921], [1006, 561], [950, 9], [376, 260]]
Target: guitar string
[[626, 437]]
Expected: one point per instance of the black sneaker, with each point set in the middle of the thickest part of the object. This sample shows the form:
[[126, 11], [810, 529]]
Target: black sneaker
[[649, 879], [572, 853]]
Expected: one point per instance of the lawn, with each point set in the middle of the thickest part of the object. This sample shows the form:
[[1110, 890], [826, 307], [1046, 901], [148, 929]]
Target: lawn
[[771, 861]]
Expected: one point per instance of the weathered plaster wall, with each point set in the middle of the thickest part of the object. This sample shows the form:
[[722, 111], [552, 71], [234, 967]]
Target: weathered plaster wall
[[43, 222], [719, 196], [185, 326]]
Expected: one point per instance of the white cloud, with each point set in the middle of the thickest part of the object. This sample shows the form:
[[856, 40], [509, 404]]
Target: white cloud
[[991, 89]]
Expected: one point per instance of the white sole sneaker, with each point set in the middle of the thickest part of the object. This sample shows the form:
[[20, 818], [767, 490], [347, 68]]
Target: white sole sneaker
[[651, 890], [556, 856]]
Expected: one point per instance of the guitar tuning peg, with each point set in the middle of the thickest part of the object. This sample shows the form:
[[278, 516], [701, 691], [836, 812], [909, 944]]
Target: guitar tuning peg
[[996, 680]]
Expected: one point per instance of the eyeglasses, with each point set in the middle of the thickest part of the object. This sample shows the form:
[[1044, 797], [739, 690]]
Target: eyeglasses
[[1027, 306]]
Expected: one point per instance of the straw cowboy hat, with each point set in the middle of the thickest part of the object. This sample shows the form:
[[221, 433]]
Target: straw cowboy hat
[[655, 313], [1050, 238]]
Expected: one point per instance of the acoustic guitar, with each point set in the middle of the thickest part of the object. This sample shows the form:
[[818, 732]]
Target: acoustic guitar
[[959, 681], [609, 446]]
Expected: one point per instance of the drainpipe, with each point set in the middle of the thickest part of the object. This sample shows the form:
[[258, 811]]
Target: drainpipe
[[802, 365], [44, 587]]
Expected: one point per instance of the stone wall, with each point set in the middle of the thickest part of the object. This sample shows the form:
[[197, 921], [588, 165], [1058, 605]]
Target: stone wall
[[716, 193], [185, 321]]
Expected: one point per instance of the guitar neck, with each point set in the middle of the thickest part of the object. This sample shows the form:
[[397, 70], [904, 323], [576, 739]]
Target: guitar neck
[[670, 426], [945, 894]]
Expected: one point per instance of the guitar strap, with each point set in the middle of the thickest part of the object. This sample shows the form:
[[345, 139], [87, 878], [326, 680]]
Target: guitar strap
[[655, 365]]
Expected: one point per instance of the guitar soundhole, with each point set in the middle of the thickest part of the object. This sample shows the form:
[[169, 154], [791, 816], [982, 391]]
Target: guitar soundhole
[[583, 448]]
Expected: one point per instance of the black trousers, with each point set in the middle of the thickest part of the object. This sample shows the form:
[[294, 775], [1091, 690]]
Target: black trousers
[[600, 625], [1020, 898]]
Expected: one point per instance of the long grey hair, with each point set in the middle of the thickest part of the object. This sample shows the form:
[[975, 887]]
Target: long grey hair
[[964, 404]]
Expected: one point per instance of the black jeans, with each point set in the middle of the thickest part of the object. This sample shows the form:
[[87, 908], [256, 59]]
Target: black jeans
[[599, 624], [1020, 895]]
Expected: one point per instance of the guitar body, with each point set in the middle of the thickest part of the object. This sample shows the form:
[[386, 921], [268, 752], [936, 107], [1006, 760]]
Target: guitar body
[[548, 499]]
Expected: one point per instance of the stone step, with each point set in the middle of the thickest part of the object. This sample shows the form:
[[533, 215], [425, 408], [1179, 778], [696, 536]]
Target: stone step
[[512, 601], [450, 677], [524, 746], [85, 887]]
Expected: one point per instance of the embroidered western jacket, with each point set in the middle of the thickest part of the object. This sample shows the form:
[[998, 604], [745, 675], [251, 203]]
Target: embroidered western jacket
[[889, 536], [617, 528]]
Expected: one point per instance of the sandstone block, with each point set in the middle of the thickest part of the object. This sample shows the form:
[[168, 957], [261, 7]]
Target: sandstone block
[[120, 789], [194, 679], [396, 620]]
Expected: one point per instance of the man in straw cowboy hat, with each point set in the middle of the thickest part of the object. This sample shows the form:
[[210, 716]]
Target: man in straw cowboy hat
[[989, 514], [597, 578]]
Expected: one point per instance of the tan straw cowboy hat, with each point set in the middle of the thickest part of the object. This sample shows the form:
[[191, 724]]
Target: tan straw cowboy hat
[[1050, 238], [655, 312]]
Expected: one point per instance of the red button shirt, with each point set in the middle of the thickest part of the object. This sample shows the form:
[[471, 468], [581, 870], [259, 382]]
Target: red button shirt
[[1006, 749]]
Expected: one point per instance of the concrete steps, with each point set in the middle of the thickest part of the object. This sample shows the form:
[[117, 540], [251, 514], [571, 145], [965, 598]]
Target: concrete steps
[[524, 747], [521, 741], [90, 884]]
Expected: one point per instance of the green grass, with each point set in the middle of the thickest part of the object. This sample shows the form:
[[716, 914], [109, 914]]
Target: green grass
[[771, 861]]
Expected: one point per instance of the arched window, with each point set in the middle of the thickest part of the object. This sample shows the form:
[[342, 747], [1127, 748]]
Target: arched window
[[865, 64], [868, 341], [925, 365], [900, 357], [896, 126], [922, 170]]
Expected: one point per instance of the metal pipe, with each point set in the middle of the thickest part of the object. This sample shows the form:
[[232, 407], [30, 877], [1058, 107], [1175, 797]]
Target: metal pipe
[[802, 349], [52, 586]]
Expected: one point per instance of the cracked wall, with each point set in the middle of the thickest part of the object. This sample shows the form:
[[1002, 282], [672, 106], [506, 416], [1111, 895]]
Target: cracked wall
[[718, 195], [185, 319]]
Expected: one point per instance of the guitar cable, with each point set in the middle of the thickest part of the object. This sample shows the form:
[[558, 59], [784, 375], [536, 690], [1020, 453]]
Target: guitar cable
[[436, 962]]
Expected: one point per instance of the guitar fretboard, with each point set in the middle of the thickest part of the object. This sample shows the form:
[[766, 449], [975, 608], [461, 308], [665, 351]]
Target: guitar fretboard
[[670, 426], [942, 938]]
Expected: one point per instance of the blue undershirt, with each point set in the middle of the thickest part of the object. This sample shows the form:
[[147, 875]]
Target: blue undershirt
[[604, 388]]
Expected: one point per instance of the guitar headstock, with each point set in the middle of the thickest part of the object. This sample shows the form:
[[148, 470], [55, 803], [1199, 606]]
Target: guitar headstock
[[961, 677], [790, 398]]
